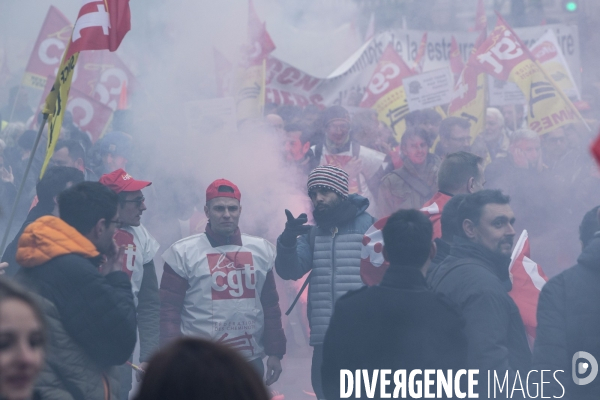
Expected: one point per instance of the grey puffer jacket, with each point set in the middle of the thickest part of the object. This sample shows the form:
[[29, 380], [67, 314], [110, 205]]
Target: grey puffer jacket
[[335, 265]]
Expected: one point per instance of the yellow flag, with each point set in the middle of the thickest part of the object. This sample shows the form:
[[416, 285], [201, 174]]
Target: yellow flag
[[385, 93], [468, 99], [250, 94], [504, 56], [56, 105]]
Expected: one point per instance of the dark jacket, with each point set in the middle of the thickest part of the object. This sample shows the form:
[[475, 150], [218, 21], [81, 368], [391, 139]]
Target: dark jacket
[[334, 261], [479, 284], [91, 318], [443, 250], [568, 318], [10, 252], [400, 324]]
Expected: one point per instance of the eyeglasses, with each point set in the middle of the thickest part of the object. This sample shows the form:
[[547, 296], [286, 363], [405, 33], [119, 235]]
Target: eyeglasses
[[138, 202]]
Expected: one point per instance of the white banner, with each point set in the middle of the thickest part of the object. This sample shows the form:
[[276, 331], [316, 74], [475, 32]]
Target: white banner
[[429, 89], [345, 86], [503, 93]]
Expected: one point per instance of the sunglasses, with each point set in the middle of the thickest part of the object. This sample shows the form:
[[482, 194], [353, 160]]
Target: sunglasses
[[138, 202]]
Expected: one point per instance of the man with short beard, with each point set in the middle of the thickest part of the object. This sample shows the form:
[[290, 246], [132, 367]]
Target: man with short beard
[[330, 251], [475, 276]]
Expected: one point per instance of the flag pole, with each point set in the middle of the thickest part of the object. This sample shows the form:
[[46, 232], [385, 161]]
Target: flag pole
[[22, 185]]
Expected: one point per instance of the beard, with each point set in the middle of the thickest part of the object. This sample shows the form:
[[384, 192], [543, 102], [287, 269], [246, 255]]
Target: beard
[[500, 249]]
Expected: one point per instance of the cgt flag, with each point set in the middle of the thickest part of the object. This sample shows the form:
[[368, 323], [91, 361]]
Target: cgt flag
[[48, 49], [504, 56], [385, 92], [100, 25], [420, 57], [528, 279], [468, 98]]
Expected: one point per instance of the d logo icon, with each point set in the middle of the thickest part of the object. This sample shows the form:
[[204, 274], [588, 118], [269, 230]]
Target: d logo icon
[[582, 367]]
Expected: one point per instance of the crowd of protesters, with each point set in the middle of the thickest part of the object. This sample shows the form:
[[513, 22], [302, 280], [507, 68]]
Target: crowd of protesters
[[84, 243]]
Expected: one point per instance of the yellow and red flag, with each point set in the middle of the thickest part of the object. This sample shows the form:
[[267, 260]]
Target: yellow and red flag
[[250, 80], [101, 24], [456, 62], [385, 92], [505, 57], [480, 17]]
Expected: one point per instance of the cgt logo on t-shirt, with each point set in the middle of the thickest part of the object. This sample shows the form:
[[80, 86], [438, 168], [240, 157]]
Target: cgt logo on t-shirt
[[233, 275], [125, 239]]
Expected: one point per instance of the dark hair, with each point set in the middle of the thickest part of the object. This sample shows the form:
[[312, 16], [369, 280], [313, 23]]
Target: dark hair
[[472, 206], [449, 218], [305, 132], [84, 204], [10, 290], [191, 369], [413, 118], [430, 115], [589, 226], [407, 238], [415, 132], [456, 169], [54, 181], [75, 148], [27, 139], [450, 122]]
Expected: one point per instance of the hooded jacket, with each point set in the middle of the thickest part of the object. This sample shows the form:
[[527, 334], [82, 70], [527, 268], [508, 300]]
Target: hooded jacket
[[568, 319], [477, 280], [90, 318], [334, 261]]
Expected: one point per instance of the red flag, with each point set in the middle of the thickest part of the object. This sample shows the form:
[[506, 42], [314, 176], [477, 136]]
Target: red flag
[[528, 279], [123, 97], [456, 62], [101, 24], [420, 58], [48, 49], [101, 75], [595, 148], [480, 17], [260, 42], [433, 209], [89, 114], [372, 263]]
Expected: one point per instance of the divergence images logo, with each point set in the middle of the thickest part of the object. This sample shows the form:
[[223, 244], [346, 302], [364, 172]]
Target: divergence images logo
[[581, 367]]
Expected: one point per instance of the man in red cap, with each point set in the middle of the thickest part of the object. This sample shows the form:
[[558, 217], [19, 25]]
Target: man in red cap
[[140, 248], [220, 285]]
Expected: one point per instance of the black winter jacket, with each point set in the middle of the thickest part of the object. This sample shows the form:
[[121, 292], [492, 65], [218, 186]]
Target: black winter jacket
[[494, 328], [400, 324], [568, 318]]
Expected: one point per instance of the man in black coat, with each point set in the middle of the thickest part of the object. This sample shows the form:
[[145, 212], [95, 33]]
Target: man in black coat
[[475, 276], [568, 318], [399, 324]]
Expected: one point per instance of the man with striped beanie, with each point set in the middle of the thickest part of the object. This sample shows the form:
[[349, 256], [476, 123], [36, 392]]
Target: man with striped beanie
[[330, 251]]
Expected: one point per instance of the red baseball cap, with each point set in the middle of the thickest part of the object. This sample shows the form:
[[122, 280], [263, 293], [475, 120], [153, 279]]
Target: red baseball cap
[[213, 190], [120, 181]]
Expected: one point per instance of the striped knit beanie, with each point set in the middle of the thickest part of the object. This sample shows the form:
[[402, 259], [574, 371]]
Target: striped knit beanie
[[329, 177]]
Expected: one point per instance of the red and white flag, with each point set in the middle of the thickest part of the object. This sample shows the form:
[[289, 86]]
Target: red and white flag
[[528, 279], [48, 49], [372, 263], [101, 24], [260, 43]]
